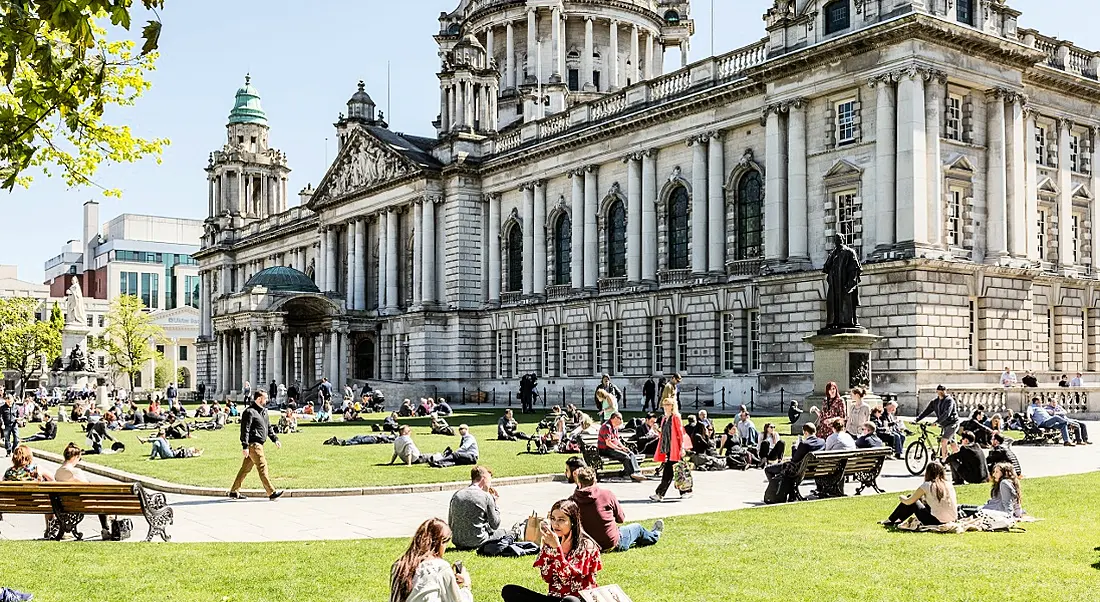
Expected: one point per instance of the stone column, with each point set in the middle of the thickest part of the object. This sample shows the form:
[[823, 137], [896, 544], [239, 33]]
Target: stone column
[[253, 359], [1065, 195], [210, 207], [586, 60], [527, 213], [556, 42], [612, 58], [885, 161], [996, 243], [684, 60], [492, 233], [321, 273], [649, 55], [775, 186], [532, 44], [634, 55], [649, 216], [1094, 207], [1018, 241], [221, 382], [933, 126], [798, 236], [1031, 194], [342, 349], [716, 205], [538, 225], [591, 238], [429, 282], [360, 264], [418, 253], [349, 283], [330, 261], [633, 217], [278, 359], [382, 271], [334, 359], [205, 328], [460, 105], [490, 46], [391, 259], [510, 56], [562, 47], [912, 208], [576, 221], [445, 109], [698, 204]]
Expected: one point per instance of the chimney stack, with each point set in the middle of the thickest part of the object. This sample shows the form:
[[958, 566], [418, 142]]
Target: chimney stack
[[305, 195], [91, 233]]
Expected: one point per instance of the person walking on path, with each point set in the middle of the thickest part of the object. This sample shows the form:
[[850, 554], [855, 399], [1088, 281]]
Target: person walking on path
[[255, 431], [673, 442], [649, 392]]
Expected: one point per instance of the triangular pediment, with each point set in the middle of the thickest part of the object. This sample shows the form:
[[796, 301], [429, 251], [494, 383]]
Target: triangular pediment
[[960, 163], [1082, 192], [843, 168], [363, 163], [1047, 186], [180, 318]]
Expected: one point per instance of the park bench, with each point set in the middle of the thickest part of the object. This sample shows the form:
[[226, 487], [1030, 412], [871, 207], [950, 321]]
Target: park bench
[[591, 453], [69, 502], [1033, 433], [830, 469]]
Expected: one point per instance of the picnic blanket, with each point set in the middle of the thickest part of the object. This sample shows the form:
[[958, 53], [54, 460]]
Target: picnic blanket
[[984, 520]]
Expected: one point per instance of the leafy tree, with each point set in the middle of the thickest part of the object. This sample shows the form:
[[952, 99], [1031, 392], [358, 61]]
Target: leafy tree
[[24, 339], [130, 337], [57, 319], [58, 75], [162, 375]]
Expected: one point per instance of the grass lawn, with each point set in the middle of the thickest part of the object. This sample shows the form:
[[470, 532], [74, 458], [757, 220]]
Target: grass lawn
[[829, 550]]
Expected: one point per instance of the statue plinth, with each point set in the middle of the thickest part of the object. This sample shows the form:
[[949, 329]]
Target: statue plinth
[[842, 356]]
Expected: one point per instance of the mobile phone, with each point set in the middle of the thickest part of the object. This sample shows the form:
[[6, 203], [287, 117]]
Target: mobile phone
[[459, 567]]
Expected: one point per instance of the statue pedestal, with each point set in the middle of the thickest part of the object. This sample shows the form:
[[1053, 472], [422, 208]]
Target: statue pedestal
[[843, 357], [71, 336], [77, 379]]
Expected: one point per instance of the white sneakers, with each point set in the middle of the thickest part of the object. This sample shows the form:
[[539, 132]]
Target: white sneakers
[[656, 498]]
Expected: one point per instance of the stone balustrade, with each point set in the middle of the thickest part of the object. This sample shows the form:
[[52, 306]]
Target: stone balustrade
[[1079, 402], [1063, 55]]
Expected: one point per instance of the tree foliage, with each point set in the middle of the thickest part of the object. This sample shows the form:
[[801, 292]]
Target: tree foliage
[[130, 337], [24, 339], [58, 75]]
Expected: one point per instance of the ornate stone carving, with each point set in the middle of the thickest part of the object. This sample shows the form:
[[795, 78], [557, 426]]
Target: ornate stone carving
[[365, 164]]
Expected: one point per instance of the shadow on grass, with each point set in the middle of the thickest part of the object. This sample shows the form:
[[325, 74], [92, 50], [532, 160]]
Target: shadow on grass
[[1096, 565], [471, 417]]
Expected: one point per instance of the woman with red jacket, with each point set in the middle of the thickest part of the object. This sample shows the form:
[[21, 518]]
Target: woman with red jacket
[[672, 444], [831, 407]]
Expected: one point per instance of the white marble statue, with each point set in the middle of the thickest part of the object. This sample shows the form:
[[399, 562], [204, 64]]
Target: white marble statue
[[74, 305]]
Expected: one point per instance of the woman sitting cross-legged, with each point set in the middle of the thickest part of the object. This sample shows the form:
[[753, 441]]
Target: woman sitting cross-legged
[[422, 575], [771, 446], [933, 502], [569, 559]]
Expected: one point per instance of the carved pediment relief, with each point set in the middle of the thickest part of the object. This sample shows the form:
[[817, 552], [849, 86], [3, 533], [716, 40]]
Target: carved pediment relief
[[363, 163], [1047, 186], [960, 163], [1082, 193]]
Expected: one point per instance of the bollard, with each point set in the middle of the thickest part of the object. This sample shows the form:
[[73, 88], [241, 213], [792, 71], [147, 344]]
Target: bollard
[[696, 398], [723, 399], [494, 396], [752, 399], [782, 397]]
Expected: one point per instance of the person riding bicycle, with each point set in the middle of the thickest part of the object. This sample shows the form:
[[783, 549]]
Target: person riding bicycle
[[947, 416]]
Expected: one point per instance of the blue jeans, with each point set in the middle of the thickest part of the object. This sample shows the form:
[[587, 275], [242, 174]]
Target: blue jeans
[[634, 533], [1057, 422], [161, 450], [630, 463], [11, 438], [1082, 431]]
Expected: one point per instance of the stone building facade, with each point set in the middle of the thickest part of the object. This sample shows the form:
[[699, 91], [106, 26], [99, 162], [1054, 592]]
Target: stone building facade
[[596, 215]]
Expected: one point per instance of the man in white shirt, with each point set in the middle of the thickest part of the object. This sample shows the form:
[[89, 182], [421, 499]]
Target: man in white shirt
[[1008, 378], [1077, 382], [404, 448]]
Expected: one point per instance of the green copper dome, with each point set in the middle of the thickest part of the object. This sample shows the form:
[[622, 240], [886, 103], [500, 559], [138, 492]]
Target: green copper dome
[[246, 108], [283, 279]]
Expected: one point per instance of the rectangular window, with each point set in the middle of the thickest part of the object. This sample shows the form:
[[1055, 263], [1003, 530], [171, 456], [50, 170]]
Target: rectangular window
[[837, 17], [971, 343], [954, 217], [681, 344], [1042, 232], [965, 11], [101, 320], [160, 349], [547, 353], [155, 294], [1050, 337], [183, 353], [1074, 231], [91, 320], [846, 122], [753, 347], [1074, 148], [729, 343], [597, 348], [146, 288], [514, 367], [563, 350], [596, 80], [102, 361], [658, 346], [617, 341], [574, 80], [846, 219], [953, 126], [1040, 146], [499, 353], [128, 283], [191, 291]]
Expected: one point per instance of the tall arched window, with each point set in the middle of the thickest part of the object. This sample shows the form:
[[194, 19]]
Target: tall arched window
[[678, 229], [837, 16], [563, 250], [515, 259], [750, 216], [616, 240]]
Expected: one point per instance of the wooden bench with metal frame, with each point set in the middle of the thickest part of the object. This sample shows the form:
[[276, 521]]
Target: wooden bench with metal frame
[[590, 451], [830, 469], [70, 502]]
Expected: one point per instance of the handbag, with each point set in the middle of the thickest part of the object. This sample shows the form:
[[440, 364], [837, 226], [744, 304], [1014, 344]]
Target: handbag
[[531, 530], [121, 528], [605, 593], [681, 476]]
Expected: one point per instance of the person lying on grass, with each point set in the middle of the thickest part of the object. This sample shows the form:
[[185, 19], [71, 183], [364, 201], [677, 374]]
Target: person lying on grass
[[933, 503], [162, 450], [359, 440]]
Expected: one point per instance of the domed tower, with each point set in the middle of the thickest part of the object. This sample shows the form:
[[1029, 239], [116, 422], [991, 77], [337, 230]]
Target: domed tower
[[247, 178], [361, 110], [469, 88], [556, 54]]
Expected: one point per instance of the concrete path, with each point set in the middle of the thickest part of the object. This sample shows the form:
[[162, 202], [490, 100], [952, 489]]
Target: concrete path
[[204, 519]]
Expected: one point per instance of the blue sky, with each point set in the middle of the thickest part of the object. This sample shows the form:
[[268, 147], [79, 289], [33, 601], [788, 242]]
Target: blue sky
[[305, 58]]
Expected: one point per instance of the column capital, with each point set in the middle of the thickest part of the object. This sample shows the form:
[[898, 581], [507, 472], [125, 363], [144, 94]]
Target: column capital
[[649, 153], [798, 102], [592, 169], [633, 156], [538, 184], [1065, 124], [524, 187], [492, 196], [589, 18], [775, 107]]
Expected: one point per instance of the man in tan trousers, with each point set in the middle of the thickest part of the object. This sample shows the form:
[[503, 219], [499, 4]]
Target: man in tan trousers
[[255, 431]]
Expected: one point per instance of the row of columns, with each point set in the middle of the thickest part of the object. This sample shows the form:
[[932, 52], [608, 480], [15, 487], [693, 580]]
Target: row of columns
[[232, 191], [786, 200], [469, 105], [258, 356]]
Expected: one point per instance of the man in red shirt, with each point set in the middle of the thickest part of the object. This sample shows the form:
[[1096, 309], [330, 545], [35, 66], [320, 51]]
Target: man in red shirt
[[601, 513], [612, 447]]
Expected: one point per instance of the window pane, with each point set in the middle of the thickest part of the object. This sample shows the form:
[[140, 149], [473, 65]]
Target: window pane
[[678, 229], [616, 240], [836, 16], [515, 259], [563, 251], [750, 216]]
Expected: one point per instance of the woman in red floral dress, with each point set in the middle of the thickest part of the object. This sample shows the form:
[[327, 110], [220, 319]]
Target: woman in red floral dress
[[568, 562], [832, 407]]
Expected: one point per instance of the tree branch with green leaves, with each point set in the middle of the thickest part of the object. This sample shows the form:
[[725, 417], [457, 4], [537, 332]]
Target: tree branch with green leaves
[[24, 340], [130, 337]]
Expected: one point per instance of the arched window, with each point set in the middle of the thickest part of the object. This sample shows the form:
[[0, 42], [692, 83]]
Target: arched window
[[454, 29], [364, 360], [515, 259], [616, 240], [672, 17], [184, 378], [678, 229], [563, 250], [837, 16], [750, 216]]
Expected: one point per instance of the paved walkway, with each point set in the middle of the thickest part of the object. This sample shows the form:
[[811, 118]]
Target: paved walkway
[[204, 519]]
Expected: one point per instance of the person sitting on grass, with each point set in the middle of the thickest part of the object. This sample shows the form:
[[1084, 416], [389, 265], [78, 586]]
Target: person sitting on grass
[[611, 446], [968, 464], [1004, 495], [506, 428], [568, 561], [407, 409], [443, 408], [473, 515], [572, 465], [176, 429], [47, 431], [933, 503], [233, 411], [746, 431], [69, 473], [976, 424], [867, 437], [728, 439], [440, 427], [404, 448], [350, 413], [325, 413], [288, 422], [1002, 452], [571, 413], [422, 575], [176, 407], [839, 439], [203, 411], [601, 516], [97, 434], [389, 424], [162, 450], [771, 446], [426, 407], [467, 452]]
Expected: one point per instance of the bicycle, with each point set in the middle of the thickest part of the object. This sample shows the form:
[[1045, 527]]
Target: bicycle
[[919, 452]]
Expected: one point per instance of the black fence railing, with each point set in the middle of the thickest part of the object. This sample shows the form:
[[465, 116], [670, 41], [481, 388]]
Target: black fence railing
[[695, 398]]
